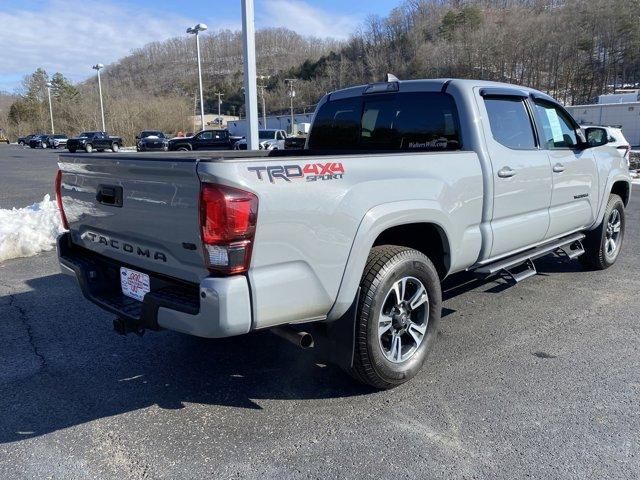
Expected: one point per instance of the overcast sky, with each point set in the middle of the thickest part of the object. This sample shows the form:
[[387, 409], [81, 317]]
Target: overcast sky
[[71, 35]]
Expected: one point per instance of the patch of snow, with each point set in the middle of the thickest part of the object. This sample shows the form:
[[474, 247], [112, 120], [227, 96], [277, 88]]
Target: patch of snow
[[30, 230]]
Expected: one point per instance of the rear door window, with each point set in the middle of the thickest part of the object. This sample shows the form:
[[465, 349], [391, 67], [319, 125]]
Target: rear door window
[[510, 122], [402, 121]]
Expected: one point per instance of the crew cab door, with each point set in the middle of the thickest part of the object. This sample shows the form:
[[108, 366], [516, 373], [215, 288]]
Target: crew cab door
[[100, 140], [521, 172], [203, 140], [574, 199]]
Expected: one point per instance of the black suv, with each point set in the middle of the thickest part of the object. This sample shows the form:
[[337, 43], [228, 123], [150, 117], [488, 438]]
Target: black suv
[[204, 140], [39, 141], [152, 140], [24, 141]]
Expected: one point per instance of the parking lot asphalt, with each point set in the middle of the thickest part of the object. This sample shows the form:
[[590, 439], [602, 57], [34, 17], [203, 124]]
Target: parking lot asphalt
[[540, 380]]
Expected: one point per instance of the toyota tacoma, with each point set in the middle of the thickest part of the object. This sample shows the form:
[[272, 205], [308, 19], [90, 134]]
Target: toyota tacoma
[[344, 244]]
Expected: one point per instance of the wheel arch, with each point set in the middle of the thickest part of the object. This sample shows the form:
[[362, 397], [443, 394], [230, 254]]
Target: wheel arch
[[623, 190], [425, 237], [399, 223]]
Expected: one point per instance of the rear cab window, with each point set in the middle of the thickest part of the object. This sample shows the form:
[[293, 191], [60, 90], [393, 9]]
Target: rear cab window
[[510, 122], [407, 121]]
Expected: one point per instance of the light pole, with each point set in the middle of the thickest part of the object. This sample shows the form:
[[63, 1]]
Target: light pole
[[49, 85], [201, 27], [292, 93], [250, 92], [98, 67]]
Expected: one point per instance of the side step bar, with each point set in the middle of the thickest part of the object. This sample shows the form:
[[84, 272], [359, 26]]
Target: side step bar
[[571, 247]]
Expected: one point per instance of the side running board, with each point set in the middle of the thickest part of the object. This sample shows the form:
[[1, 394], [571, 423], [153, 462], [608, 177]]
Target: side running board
[[520, 266]]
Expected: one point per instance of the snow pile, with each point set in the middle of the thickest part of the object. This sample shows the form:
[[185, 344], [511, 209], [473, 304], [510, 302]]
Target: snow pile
[[30, 230]]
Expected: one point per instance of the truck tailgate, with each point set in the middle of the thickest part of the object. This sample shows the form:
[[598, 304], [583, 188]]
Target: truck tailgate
[[138, 210]]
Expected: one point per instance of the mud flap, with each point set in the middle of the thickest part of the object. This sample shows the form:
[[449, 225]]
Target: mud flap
[[335, 341]]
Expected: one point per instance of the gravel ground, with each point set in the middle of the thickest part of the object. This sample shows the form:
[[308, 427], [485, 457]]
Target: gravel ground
[[540, 380]]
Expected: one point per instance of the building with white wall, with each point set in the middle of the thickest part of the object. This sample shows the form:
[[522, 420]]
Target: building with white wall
[[624, 115]]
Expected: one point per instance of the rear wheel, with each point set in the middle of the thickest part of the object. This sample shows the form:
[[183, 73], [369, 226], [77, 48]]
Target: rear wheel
[[602, 245], [398, 315], [183, 149], [72, 150], [115, 147], [21, 143], [88, 148]]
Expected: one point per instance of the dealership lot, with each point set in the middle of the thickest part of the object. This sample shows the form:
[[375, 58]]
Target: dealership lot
[[538, 380]]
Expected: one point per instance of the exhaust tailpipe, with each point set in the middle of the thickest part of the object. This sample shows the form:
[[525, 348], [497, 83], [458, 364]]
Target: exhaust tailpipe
[[298, 338]]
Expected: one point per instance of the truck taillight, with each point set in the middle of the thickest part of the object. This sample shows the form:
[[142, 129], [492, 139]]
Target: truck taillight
[[228, 223], [63, 217]]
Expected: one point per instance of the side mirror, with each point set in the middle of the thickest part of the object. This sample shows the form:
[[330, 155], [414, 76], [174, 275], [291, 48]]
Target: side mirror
[[596, 136]]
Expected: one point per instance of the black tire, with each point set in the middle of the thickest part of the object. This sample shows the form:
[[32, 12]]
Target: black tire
[[21, 144], [598, 254], [88, 148], [183, 149], [386, 266], [115, 147], [72, 150]]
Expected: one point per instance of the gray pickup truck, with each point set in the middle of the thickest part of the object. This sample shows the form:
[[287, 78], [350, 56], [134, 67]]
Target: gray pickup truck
[[345, 243]]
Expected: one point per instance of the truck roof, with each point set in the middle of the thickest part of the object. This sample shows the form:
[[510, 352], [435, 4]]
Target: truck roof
[[436, 85]]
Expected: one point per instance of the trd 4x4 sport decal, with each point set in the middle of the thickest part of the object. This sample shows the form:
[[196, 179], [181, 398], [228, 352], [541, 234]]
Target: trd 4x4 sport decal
[[311, 172]]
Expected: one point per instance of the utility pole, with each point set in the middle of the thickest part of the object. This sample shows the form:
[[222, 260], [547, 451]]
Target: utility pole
[[292, 93], [97, 67], [49, 85], [264, 108], [264, 103], [251, 90], [219, 94]]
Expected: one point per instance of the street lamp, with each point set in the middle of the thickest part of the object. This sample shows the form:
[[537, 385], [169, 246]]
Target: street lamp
[[49, 85], [97, 67], [201, 27], [292, 93]]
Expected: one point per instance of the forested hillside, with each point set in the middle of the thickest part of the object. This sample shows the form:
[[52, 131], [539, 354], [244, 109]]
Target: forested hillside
[[574, 49]]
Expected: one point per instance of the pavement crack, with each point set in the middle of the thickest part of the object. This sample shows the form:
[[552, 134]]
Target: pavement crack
[[24, 319]]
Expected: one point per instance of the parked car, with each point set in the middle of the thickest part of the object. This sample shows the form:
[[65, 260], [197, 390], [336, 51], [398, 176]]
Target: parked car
[[59, 140], [24, 141], [90, 141], [204, 140], [151, 140], [401, 184], [3, 137], [615, 138], [268, 139], [295, 143], [39, 141]]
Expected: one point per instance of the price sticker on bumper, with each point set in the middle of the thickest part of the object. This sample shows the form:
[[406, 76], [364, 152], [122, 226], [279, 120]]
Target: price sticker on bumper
[[134, 284]]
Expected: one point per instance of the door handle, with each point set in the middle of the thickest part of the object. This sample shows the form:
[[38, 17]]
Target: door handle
[[558, 168], [506, 172]]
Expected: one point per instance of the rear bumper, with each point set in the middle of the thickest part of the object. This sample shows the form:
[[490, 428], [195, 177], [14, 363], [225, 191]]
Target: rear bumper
[[217, 307]]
